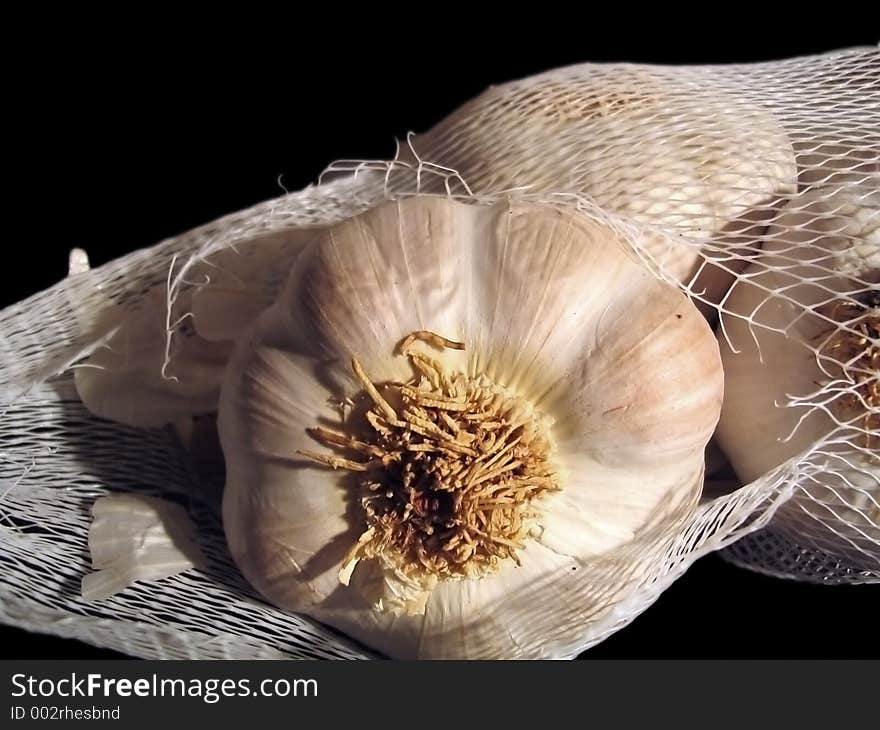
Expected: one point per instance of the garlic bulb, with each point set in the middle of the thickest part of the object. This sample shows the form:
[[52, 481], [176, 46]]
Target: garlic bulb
[[691, 164], [805, 323], [450, 415]]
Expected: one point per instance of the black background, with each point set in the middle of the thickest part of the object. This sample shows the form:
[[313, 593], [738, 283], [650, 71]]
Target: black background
[[122, 137]]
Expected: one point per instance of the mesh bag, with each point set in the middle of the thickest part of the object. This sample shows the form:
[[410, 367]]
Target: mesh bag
[[741, 184]]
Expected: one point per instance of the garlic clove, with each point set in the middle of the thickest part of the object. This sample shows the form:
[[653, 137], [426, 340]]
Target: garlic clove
[[162, 359], [483, 610], [374, 279], [266, 455], [531, 301], [77, 262], [759, 393], [626, 403], [150, 373], [587, 520]]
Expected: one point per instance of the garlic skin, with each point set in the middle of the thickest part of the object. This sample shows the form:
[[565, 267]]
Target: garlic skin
[[549, 307], [692, 167], [137, 378], [820, 258], [137, 538], [241, 281], [150, 373]]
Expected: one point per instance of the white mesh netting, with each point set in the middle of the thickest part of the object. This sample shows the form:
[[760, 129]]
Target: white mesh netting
[[762, 176]]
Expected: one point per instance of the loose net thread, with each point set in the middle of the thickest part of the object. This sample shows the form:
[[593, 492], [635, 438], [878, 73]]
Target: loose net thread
[[54, 460]]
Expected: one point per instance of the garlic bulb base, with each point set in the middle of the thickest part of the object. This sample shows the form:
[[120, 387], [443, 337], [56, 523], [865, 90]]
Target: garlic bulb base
[[449, 479], [853, 349]]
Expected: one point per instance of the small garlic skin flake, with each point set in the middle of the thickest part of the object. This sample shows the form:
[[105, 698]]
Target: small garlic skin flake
[[536, 301], [132, 538], [77, 262]]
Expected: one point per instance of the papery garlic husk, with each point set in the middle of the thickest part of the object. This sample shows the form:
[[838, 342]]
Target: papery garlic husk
[[137, 538], [614, 375], [241, 281], [802, 373], [164, 361], [143, 377], [690, 164]]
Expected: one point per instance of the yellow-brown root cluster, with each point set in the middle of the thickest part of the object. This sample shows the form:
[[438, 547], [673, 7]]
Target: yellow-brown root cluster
[[855, 348], [449, 474]]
